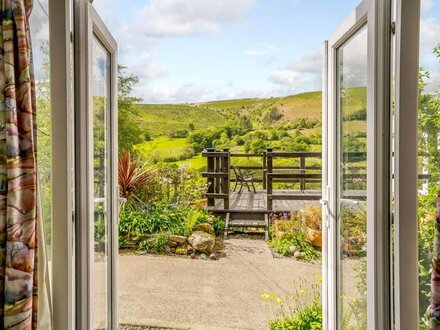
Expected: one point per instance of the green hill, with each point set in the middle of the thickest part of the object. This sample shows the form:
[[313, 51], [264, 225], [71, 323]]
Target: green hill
[[297, 117]]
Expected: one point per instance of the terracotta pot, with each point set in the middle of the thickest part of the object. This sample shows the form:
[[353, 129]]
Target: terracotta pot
[[315, 237]]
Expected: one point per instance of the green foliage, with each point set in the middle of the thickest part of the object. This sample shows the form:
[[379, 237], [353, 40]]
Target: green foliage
[[129, 132], [351, 144], [44, 142], [308, 319], [140, 228], [426, 216], [271, 115], [302, 310], [357, 115], [305, 123], [156, 243], [293, 235], [429, 160]]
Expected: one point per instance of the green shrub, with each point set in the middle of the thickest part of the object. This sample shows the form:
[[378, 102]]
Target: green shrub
[[156, 243], [301, 310], [294, 235], [141, 227], [308, 319], [219, 226], [357, 115], [298, 239]]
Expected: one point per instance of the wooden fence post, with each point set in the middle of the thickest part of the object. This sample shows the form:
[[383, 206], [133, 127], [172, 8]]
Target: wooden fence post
[[211, 181], [217, 168], [264, 170], [269, 182], [302, 166], [226, 179]]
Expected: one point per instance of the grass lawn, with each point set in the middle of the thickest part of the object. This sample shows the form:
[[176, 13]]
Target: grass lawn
[[197, 162], [164, 149]]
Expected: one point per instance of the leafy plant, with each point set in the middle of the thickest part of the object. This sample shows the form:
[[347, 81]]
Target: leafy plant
[[308, 319], [293, 234], [302, 310], [156, 243], [131, 176]]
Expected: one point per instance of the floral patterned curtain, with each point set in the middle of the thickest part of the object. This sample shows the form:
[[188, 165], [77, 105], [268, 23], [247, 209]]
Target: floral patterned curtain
[[18, 179], [435, 277]]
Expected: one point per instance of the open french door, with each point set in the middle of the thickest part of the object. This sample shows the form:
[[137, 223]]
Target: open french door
[[96, 171], [356, 185]]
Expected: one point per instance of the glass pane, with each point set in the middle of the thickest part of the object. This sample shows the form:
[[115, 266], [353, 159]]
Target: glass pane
[[429, 159], [101, 109], [352, 162]]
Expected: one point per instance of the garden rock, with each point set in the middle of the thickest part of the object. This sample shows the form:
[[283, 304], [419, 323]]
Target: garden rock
[[292, 249], [212, 256], [193, 255], [181, 250], [206, 227], [297, 254], [203, 256], [173, 244], [178, 239], [202, 242]]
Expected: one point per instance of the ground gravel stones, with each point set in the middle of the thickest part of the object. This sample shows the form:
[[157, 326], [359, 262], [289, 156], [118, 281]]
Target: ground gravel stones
[[139, 327]]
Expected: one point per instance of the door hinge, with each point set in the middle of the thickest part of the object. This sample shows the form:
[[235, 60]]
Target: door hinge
[[393, 28]]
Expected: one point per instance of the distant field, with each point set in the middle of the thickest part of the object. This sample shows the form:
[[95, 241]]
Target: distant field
[[163, 149], [165, 119], [168, 124]]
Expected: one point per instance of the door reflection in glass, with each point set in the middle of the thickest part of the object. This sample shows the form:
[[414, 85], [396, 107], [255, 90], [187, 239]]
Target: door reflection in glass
[[352, 184], [100, 90]]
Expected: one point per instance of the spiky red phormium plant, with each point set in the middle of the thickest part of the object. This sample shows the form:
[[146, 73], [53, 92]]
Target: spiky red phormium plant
[[131, 175]]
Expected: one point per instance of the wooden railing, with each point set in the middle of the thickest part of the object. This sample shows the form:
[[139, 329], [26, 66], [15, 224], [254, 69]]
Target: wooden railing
[[302, 174], [218, 175]]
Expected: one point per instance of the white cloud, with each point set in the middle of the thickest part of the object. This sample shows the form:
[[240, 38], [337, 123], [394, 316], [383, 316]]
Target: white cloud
[[309, 63], [177, 18], [429, 38], [429, 34], [426, 5], [302, 74], [287, 77], [165, 94], [145, 68]]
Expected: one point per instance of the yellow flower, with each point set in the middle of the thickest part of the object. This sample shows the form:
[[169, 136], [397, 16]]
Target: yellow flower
[[279, 301], [265, 296], [344, 297], [320, 280], [302, 292], [293, 297]]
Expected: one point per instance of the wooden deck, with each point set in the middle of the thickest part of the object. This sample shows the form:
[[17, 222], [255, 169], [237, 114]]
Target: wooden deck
[[257, 202]]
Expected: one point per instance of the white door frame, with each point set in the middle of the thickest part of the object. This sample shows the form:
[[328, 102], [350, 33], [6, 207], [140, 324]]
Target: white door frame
[[405, 163], [89, 25], [376, 15], [60, 25]]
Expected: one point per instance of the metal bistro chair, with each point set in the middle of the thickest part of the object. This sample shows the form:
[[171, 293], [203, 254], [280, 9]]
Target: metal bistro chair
[[243, 180]]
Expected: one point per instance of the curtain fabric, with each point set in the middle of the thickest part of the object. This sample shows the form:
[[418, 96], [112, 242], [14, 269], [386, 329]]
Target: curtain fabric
[[435, 277], [18, 170]]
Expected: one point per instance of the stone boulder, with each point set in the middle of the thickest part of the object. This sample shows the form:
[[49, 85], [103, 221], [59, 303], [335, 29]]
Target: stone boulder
[[206, 227], [178, 239], [202, 241]]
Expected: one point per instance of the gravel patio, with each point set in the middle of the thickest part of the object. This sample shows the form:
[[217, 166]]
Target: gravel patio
[[181, 293]]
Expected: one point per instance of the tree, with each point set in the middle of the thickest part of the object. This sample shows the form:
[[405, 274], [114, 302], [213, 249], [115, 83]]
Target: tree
[[129, 131], [429, 127]]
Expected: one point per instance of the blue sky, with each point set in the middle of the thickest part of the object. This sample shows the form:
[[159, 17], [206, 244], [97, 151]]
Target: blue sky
[[198, 50]]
